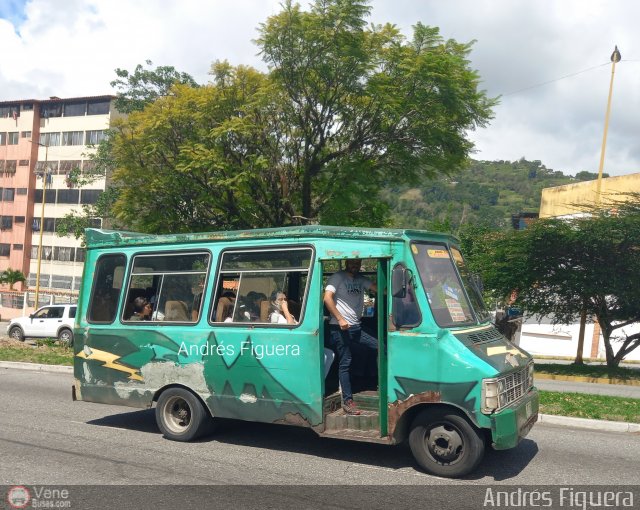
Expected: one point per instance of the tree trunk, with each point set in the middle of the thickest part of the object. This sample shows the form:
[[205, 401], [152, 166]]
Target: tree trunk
[[612, 362], [583, 323]]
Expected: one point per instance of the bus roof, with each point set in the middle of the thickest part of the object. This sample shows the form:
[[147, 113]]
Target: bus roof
[[98, 238]]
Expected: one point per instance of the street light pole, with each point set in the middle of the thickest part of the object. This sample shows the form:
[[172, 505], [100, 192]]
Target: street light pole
[[615, 57], [45, 176]]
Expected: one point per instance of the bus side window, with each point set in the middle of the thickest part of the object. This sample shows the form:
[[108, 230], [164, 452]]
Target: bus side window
[[406, 312], [107, 283], [248, 281]]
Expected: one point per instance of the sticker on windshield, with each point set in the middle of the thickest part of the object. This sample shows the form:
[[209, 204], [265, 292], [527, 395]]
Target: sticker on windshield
[[451, 292], [457, 256], [414, 249], [455, 310], [438, 254]]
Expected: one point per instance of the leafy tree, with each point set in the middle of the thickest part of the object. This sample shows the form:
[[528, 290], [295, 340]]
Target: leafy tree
[[142, 86], [560, 268], [363, 105], [344, 109], [588, 176], [12, 276]]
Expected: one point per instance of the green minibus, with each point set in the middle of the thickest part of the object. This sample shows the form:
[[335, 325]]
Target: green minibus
[[183, 321]]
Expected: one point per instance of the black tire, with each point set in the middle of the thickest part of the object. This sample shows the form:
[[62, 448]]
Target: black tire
[[444, 443], [16, 333], [65, 335], [181, 416]]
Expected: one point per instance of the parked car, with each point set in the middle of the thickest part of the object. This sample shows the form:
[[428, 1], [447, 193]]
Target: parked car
[[54, 321]]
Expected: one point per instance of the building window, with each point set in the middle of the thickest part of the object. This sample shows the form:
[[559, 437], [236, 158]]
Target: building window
[[27, 107], [51, 110], [98, 107], [75, 109], [72, 138], [52, 166], [90, 196], [21, 191], [12, 138], [17, 247], [49, 225], [3, 138], [68, 196], [68, 165], [25, 134], [6, 222], [8, 194], [94, 137], [50, 139], [61, 282], [80, 254], [18, 219], [63, 254], [10, 166], [23, 162], [9, 110], [50, 197], [5, 249]]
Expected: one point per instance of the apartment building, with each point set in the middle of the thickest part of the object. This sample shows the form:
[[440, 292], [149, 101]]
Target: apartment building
[[41, 142]]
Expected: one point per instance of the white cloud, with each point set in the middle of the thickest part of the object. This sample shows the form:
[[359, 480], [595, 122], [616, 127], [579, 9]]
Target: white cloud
[[71, 48]]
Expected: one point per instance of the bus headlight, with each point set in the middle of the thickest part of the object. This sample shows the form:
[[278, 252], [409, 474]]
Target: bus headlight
[[530, 375], [489, 395]]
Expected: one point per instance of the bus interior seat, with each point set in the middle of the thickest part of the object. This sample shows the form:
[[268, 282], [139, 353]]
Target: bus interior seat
[[224, 308], [176, 311]]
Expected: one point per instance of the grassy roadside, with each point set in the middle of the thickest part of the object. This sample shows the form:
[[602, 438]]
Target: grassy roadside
[[42, 352], [596, 407], [591, 371]]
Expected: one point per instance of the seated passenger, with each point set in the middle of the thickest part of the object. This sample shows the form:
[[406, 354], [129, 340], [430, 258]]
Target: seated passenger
[[142, 309], [279, 309]]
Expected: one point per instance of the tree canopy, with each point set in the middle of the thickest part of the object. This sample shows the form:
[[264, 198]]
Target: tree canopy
[[560, 267], [344, 109]]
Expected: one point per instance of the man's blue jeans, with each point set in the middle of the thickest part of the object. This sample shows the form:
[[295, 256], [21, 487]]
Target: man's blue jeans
[[343, 340]]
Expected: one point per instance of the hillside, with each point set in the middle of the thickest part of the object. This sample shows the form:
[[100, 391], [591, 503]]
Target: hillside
[[486, 193]]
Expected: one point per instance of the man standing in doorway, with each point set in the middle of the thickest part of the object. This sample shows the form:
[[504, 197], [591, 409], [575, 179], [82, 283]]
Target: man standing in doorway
[[344, 298]]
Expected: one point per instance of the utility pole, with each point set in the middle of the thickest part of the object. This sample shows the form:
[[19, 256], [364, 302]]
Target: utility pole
[[615, 58]]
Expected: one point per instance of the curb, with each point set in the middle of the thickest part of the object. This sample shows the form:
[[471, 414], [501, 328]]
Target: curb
[[576, 378], [38, 367], [585, 423]]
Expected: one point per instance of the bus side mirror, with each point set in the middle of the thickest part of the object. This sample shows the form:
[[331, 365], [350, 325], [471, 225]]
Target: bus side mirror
[[399, 282]]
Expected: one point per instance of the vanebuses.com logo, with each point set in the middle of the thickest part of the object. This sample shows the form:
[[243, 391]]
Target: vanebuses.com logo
[[18, 496]]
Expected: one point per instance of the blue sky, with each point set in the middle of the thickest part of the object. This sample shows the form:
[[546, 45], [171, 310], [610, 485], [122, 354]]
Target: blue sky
[[71, 48], [13, 11]]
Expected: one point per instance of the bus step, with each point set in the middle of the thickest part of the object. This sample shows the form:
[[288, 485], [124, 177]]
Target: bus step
[[369, 436], [339, 420]]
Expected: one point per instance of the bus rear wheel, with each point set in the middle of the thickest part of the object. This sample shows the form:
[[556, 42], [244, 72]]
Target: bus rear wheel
[[444, 443], [181, 416]]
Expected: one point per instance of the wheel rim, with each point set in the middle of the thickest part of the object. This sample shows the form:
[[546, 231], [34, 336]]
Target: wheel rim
[[176, 414], [65, 336], [445, 443], [15, 334]]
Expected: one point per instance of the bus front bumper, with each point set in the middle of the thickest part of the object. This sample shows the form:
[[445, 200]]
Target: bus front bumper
[[514, 422]]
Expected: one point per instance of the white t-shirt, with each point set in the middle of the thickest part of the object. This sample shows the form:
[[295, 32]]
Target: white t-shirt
[[348, 296], [277, 318]]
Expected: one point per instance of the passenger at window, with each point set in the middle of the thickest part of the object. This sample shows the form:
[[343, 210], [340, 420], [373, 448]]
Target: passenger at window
[[142, 309], [279, 309]]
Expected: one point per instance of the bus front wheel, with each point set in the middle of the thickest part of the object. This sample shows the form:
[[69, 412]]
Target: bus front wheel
[[444, 443], [181, 416]]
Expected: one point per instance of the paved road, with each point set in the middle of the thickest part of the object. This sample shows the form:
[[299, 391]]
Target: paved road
[[46, 438]]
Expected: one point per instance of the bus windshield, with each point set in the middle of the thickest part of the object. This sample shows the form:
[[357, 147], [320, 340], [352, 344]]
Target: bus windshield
[[473, 292], [445, 291]]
